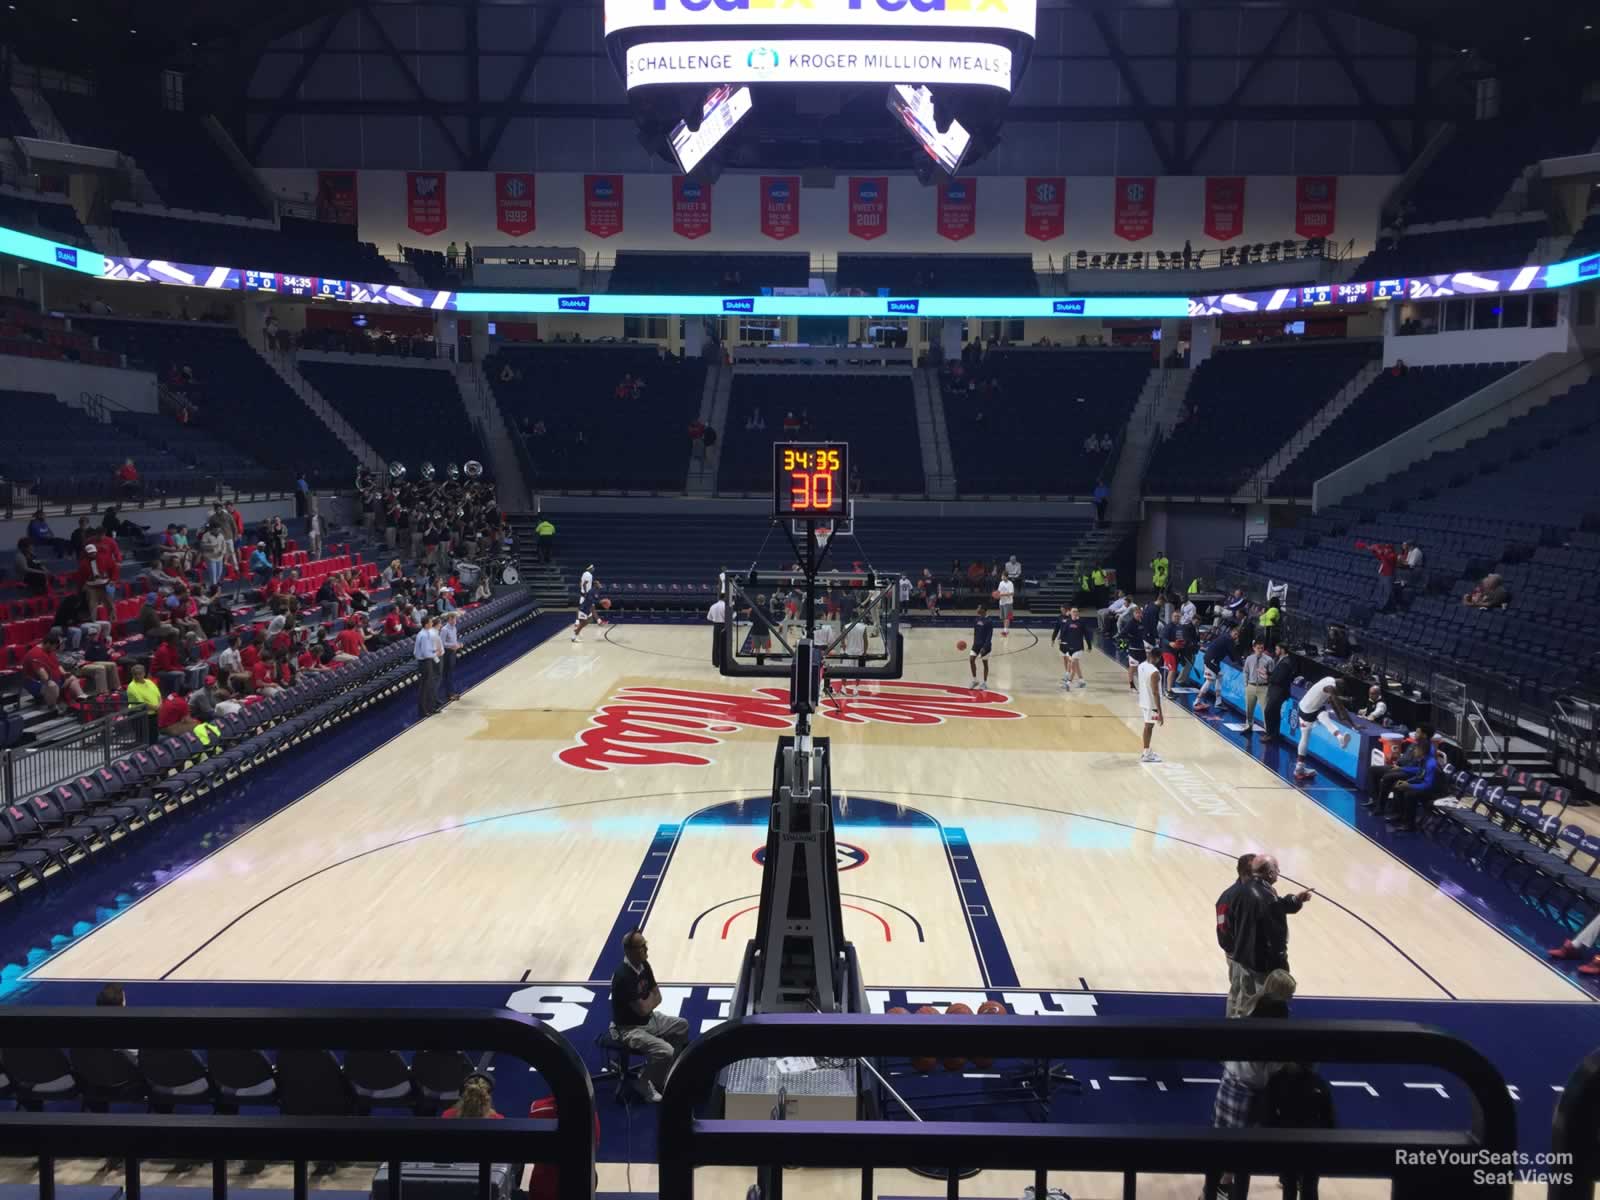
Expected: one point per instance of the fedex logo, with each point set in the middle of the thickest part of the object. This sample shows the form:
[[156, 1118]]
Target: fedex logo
[[739, 306], [1067, 308], [66, 256], [572, 304], [1587, 269], [905, 307]]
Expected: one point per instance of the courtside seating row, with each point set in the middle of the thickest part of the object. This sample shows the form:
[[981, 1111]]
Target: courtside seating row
[[291, 1082], [55, 830], [1515, 818]]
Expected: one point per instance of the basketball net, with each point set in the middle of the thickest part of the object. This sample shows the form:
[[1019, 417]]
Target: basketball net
[[824, 532]]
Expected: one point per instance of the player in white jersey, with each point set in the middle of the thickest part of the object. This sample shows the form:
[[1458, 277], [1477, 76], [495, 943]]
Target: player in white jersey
[[1313, 710], [1006, 592], [588, 595], [586, 581], [1149, 692]]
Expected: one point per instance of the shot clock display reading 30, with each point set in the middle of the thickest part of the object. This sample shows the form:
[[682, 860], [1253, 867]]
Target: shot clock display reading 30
[[810, 479]]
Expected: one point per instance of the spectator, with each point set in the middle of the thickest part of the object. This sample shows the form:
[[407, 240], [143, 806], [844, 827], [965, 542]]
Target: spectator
[[277, 540], [1296, 1097], [1240, 992], [450, 639], [697, 434], [43, 677], [1091, 444], [314, 534], [1417, 787], [31, 571], [1101, 494], [1261, 923], [165, 656], [143, 692], [1387, 558], [260, 565], [1243, 1082], [128, 479], [172, 716], [40, 535], [97, 667], [636, 1017], [477, 1100], [1377, 708], [71, 616], [1491, 593], [427, 649], [1411, 556], [349, 643], [213, 552], [81, 536], [93, 579]]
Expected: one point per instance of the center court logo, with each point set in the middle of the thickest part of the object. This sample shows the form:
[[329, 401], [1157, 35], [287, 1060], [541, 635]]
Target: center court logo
[[845, 856], [636, 727]]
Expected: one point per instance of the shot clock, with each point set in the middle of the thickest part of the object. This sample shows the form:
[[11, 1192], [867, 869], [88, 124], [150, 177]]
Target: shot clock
[[810, 479]]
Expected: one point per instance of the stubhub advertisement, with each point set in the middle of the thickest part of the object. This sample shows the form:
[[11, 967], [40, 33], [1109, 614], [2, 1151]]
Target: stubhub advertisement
[[1006, 16]]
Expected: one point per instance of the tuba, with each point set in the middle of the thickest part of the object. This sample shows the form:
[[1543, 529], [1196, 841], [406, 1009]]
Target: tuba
[[426, 471], [472, 468], [397, 471]]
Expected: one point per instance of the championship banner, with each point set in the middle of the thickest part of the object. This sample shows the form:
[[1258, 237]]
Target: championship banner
[[957, 215], [691, 207], [1135, 215], [1224, 207], [602, 204], [780, 206], [1316, 203], [425, 205], [869, 206], [1044, 208], [336, 197], [513, 203]]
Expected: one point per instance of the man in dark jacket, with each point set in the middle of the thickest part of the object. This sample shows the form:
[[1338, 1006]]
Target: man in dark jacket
[[1279, 680], [1260, 920], [1238, 997]]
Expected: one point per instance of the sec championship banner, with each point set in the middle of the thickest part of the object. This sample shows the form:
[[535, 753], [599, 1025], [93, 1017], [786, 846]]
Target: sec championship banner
[[957, 216], [336, 197], [602, 204], [425, 204], [1044, 208], [1316, 203], [780, 206], [869, 206], [1135, 214], [1224, 207], [513, 203], [691, 207]]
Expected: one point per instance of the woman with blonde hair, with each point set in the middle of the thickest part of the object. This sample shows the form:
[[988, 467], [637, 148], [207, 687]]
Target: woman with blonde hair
[[477, 1100]]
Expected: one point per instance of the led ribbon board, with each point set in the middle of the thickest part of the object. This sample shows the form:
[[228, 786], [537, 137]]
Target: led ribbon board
[[823, 60]]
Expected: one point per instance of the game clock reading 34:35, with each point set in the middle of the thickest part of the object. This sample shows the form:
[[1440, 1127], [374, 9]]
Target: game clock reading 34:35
[[810, 479]]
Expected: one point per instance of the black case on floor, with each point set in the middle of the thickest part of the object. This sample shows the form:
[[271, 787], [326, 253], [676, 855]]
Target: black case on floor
[[445, 1181]]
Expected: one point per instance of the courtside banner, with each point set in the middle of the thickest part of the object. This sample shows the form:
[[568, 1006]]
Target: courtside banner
[[746, 60], [957, 216], [602, 204], [780, 206], [425, 202], [1224, 207], [1135, 215], [691, 207], [336, 197], [1044, 208], [514, 211], [1316, 205], [837, 16], [869, 206]]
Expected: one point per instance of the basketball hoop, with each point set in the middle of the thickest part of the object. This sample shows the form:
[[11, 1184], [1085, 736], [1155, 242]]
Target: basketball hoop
[[824, 532]]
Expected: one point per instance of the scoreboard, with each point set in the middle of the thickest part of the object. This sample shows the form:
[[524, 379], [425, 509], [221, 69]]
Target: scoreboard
[[304, 286], [810, 479]]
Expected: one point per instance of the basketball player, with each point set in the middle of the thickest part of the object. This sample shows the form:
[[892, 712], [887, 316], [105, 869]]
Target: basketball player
[[982, 643], [586, 581], [1313, 710], [587, 594], [1149, 680], [1218, 650], [1073, 634], [1008, 592]]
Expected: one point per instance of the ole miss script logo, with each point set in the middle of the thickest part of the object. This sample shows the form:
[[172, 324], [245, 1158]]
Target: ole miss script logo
[[662, 726]]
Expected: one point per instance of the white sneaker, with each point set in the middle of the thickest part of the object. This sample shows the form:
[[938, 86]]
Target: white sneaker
[[1149, 756], [974, 684], [574, 637], [1083, 684], [1342, 738], [651, 1095]]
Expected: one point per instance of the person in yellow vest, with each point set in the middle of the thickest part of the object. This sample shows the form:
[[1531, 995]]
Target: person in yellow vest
[[207, 733], [1159, 567], [546, 532], [1267, 623], [142, 690], [1194, 585]]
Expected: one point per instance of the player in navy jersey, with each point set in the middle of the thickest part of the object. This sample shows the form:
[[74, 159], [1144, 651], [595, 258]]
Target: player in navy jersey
[[1072, 632], [586, 609], [982, 643]]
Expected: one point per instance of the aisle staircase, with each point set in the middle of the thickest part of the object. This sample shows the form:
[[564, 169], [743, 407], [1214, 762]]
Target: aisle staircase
[[548, 581], [715, 397], [933, 437], [283, 363]]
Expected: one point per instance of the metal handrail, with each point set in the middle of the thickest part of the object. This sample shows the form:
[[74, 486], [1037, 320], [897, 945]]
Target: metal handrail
[[688, 1141], [566, 1142]]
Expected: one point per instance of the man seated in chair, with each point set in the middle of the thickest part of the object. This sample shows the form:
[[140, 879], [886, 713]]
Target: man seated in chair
[[636, 1017]]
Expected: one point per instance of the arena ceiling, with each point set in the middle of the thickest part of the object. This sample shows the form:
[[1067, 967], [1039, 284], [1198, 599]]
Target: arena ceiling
[[1166, 86]]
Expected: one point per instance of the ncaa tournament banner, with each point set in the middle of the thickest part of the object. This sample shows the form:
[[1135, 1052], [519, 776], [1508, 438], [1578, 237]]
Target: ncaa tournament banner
[[780, 206], [602, 205], [336, 197], [513, 202], [1135, 213], [1224, 207], [1044, 208], [425, 204], [691, 207], [957, 215], [1316, 202], [869, 206]]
